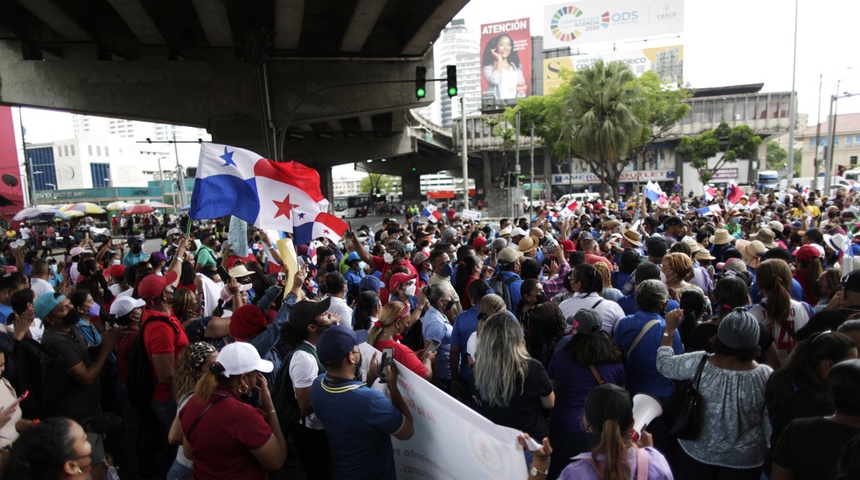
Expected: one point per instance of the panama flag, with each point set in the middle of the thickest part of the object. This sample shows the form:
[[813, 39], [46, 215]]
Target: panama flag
[[431, 213], [734, 193], [653, 191], [552, 216], [710, 210], [710, 193], [329, 226], [234, 181], [568, 209], [303, 226]]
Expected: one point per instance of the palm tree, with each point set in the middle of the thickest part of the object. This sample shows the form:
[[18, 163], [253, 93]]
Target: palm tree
[[600, 121]]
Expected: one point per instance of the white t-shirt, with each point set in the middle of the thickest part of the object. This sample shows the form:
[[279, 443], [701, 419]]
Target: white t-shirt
[[798, 317], [25, 233], [39, 286], [472, 345], [339, 307], [303, 372], [609, 311]]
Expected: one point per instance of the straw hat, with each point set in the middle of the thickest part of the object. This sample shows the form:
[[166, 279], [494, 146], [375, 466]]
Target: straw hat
[[632, 236], [750, 249], [528, 244], [765, 236], [704, 255], [690, 242], [721, 237]]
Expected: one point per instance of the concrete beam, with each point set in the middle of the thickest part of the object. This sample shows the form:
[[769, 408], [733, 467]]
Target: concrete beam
[[335, 151], [363, 20], [288, 23], [215, 21], [139, 21], [431, 26], [57, 19]]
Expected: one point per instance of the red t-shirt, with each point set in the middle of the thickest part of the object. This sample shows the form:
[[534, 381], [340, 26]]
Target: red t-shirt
[[404, 355], [591, 259], [224, 437], [160, 339], [123, 352]]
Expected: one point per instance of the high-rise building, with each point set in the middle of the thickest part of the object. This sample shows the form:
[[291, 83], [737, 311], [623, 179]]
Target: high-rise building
[[461, 47]]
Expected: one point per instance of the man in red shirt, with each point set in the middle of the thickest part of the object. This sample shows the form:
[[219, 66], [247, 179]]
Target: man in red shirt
[[592, 253], [164, 339], [395, 254]]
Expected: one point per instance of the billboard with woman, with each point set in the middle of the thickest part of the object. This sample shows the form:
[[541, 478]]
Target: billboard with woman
[[506, 61]]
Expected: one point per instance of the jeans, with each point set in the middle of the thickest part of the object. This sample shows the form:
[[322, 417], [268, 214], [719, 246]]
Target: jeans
[[179, 471]]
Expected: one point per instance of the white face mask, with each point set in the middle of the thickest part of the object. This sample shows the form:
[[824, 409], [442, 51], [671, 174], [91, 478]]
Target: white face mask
[[362, 265], [389, 258], [115, 261], [410, 290]]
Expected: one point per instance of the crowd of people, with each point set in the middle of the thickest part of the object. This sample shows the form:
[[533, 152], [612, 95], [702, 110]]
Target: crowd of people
[[208, 360]]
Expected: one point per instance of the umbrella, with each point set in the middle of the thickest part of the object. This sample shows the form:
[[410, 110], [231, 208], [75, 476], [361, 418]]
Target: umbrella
[[83, 207], [159, 205], [117, 206], [39, 212], [74, 213], [137, 209]]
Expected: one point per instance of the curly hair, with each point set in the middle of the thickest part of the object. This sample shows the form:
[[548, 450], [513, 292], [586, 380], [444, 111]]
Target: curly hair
[[40, 451], [680, 264]]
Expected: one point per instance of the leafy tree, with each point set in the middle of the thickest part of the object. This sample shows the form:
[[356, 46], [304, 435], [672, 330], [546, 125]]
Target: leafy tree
[[385, 183], [776, 156], [733, 143], [603, 116]]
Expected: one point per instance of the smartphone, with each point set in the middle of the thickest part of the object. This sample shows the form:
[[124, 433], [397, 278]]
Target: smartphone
[[19, 400], [549, 249], [434, 344], [387, 357]]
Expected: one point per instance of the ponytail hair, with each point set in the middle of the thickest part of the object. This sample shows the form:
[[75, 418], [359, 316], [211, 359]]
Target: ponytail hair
[[613, 447], [388, 315], [40, 451], [209, 381], [774, 279], [587, 275]]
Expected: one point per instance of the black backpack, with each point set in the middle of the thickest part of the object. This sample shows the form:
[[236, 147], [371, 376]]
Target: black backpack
[[41, 371], [141, 382], [503, 289]]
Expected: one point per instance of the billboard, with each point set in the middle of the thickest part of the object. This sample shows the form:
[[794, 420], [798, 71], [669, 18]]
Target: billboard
[[575, 23], [506, 62], [11, 194], [667, 62]]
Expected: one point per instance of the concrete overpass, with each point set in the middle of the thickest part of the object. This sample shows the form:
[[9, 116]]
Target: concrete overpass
[[325, 82]]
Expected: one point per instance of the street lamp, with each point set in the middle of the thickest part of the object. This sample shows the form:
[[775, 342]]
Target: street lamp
[[51, 185], [831, 138]]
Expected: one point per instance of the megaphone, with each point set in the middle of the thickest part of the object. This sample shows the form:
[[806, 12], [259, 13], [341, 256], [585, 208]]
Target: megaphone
[[645, 409]]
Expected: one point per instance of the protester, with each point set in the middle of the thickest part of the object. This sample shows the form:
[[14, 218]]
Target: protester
[[384, 332], [55, 449], [436, 325], [777, 311], [588, 285]]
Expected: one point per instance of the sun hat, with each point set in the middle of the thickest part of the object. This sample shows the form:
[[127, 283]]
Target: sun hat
[[721, 237], [766, 237], [74, 252], [509, 254], [122, 306], [704, 254], [528, 244], [776, 226], [46, 303], [691, 242], [335, 343], [505, 231], [239, 271], [750, 249], [239, 358], [632, 236], [152, 285]]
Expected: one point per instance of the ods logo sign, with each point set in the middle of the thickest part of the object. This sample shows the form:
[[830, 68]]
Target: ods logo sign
[[625, 17]]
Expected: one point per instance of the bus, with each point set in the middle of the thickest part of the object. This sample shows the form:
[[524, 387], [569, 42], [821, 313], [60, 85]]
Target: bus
[[346, 206]]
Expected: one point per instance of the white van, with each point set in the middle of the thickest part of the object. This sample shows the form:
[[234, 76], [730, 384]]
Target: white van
[[577, 197]]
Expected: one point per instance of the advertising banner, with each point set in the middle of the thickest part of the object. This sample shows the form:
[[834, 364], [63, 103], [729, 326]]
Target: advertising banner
[[11, 193], [451, 441], [667, 62], [590, 178], [506, 62], [576, 23], [471, 215]]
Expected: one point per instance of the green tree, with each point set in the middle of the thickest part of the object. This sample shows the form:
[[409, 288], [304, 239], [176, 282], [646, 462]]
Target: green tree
[[375, 180], [733, 143], [776, 156], [603, 116]]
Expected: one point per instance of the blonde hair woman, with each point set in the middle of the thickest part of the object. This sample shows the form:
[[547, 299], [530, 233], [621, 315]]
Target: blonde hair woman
[[490, 305], [677, 267], [386, 333]]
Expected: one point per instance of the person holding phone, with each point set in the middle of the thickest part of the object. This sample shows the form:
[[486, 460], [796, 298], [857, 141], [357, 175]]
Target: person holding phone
[[384, 333], [11, 421]]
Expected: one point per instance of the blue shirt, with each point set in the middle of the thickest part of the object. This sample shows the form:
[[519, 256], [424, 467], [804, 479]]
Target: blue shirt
[[514, 288], [359, 422], [465, 324], [629, 305], [133, 258], [642, 374], [796, 292], [435, 326], [5, 310]]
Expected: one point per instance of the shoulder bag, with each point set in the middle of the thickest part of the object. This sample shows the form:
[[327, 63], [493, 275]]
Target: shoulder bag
[[683, 414]]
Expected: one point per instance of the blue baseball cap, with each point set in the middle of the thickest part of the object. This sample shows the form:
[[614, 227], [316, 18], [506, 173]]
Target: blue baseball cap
[[335, 343], [46, 303], [352, 257], [370, 282]]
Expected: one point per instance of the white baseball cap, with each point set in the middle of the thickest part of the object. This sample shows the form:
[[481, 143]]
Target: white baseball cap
[[239, 358], [122, 306]]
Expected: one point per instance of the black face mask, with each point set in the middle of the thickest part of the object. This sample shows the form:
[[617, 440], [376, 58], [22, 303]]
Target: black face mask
[[136, 248], [71, 318], [540, 298], [257, 238], [816, 288], [330, 267]]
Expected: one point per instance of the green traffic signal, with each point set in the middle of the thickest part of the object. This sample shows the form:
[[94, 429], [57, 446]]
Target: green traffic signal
[[420, 93], [452, 91], [452, 80], [420, 82]]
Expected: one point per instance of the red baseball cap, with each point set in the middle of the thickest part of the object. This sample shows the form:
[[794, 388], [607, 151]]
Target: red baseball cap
[[479, 242], [568, 246], [116, 271], [806, 253], [247, 322], [152, 285]]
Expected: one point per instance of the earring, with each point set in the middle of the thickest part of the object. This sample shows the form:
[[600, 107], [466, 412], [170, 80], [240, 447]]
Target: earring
[[243, 389], [79, 471]]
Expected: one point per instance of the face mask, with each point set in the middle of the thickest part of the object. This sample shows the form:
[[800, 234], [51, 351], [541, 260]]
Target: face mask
[[53, 268], [136, 248], [410, 290], [71, 318], [95, 310], [257, 238], [339, 245], [410, 247], [388, 258], [540, 298], [330, 267], [362, 266], [446, 270], [736, 219]]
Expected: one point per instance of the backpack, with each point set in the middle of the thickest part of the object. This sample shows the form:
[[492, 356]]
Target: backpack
[[283, 396], [42, 372], [503, 289], [141, 381]]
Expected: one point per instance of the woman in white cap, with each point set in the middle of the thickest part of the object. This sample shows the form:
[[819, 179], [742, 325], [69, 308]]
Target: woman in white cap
[[734, 430], [226, 437]]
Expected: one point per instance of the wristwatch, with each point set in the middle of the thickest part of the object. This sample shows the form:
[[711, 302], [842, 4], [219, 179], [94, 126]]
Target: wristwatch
[[535, 472]]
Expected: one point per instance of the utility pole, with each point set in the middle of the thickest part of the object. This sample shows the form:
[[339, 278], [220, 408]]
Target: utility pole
[[517, 166], [465, 154], [793, 108], [532, 170], [817, 161]]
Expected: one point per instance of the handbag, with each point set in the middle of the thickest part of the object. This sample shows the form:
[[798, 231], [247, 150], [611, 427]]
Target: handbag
[[683, 413]]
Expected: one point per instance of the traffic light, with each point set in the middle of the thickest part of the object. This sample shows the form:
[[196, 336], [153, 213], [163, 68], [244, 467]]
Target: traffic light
[[452, 80], [420, 82]]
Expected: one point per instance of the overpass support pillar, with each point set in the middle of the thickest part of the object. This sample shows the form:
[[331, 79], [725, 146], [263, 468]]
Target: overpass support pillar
[[411, 186], [487, 177]]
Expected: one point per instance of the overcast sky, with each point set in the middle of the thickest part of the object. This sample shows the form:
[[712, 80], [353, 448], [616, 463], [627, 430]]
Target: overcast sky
[[725, 43]]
